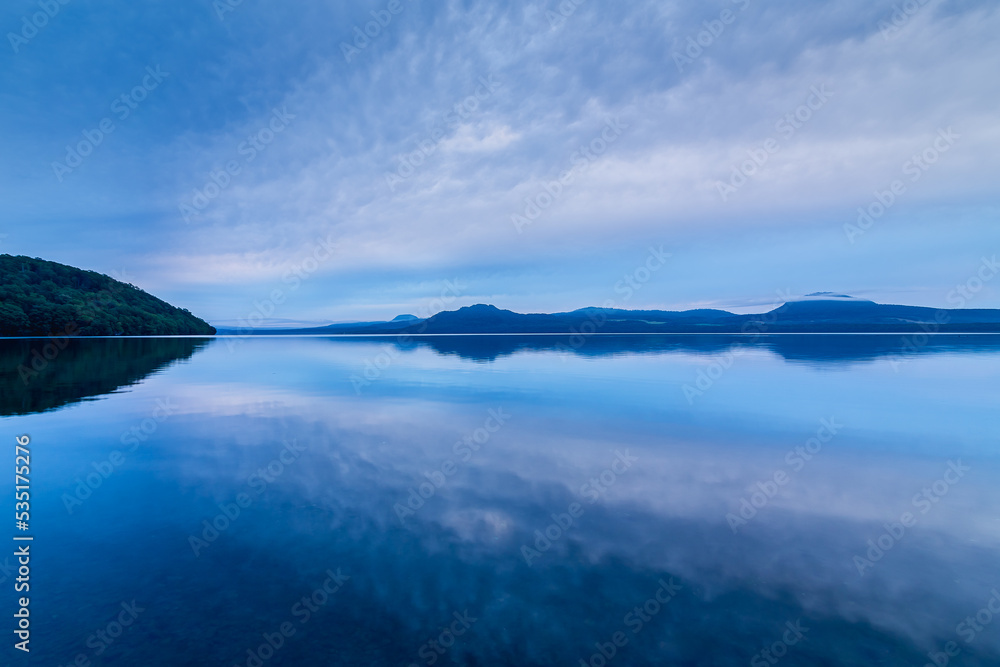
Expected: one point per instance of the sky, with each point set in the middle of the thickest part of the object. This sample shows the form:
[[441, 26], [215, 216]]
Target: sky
[[338, 161]]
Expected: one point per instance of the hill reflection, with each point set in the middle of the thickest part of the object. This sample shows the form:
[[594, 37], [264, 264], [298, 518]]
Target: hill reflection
[[86, 367]]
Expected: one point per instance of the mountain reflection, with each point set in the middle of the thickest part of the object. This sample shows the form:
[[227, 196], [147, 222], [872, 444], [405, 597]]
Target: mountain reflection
[[809, 348]]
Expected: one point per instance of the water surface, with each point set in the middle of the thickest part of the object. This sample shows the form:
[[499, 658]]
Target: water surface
[[699, 500]]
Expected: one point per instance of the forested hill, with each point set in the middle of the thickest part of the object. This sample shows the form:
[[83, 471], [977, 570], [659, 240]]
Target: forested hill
[[41, 298]]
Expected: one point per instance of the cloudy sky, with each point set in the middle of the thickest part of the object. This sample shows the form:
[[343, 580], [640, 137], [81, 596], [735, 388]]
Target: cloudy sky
[[357, 160]]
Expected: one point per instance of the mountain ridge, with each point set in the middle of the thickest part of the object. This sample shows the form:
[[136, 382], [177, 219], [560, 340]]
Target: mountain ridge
[[817, 313]]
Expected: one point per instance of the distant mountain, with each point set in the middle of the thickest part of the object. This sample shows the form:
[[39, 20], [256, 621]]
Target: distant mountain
[[848, 312], [822, 312], [41, 298]]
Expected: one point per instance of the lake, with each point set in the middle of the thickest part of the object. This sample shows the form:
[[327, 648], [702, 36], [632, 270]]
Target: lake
[[506, 500]]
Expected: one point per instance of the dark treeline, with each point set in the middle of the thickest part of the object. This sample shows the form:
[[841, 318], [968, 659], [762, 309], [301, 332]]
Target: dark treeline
[[41, 298]]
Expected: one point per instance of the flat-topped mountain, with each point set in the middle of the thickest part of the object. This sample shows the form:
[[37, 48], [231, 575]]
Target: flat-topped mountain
[[41, 298]]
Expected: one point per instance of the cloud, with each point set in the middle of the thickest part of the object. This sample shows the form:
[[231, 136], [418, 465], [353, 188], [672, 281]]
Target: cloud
[[388, 154]]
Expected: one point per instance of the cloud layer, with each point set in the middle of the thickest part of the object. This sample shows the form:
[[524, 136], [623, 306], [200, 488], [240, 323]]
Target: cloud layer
[[470, 141]]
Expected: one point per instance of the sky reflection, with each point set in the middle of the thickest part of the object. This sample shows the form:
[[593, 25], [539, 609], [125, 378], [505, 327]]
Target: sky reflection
[[343, 462]]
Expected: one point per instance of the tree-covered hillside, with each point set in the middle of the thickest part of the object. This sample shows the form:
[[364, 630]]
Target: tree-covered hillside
[[41, 298]]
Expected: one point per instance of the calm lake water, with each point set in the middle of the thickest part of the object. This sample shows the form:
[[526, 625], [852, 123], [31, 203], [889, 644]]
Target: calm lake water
[[803, 500]]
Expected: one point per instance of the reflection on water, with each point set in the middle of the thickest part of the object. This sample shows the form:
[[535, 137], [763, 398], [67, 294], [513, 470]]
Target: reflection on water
[[39, 374], [800, 347], [462, 504]]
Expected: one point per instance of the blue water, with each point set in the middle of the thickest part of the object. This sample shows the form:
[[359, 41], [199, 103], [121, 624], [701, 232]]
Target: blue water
[[376, 503]]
